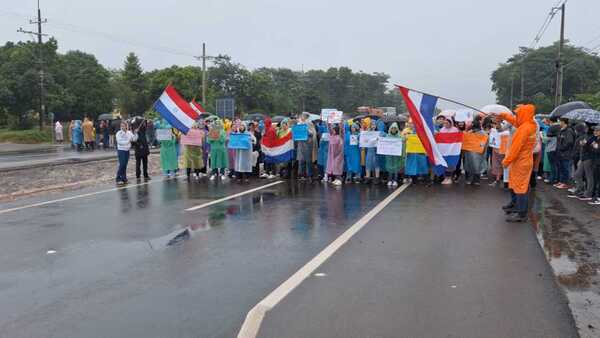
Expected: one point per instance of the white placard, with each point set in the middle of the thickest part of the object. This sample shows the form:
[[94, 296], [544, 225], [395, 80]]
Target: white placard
[[353, 140], [389, 146], [325, 114], [494, 139], [325, 137], [164, 135], [335, 117], [368, 139]]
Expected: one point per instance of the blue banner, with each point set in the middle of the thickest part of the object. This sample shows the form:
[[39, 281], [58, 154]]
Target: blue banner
[[239, 141], [300, 132]]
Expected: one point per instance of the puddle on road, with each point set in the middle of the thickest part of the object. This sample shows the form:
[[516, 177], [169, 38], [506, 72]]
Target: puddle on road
[[574, 257]]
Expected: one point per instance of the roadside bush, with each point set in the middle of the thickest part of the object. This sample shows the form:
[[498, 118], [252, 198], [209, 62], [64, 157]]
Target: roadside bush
[[29, 136]]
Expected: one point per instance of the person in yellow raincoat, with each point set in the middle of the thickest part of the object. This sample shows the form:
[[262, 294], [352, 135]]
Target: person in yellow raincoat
[[519, 159]]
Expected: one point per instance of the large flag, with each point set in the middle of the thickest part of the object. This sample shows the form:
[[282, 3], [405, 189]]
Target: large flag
[[450, 145], [197, 107], [277, 149], [173, 108], [421, 108]]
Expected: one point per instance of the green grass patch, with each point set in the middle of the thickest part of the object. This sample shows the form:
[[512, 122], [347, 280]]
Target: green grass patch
[[29, 136]]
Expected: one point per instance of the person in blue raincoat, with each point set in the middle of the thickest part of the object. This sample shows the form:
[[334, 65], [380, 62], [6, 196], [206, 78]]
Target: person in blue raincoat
[[352, 152], [323, 148], [77, 135]]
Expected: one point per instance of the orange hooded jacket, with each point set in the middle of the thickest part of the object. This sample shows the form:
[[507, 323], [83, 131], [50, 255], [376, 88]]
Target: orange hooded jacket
[[520, 154]]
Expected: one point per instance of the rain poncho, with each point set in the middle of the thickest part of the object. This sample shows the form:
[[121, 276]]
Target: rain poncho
[[335, 154], [519, 157], [323, 145], [394, 164], [380, 158], [76, 133], [475, 163], [168, 151], [243, 157], [371, 161], [305, 149], [218, 153], [193, 154], [351, 149], [88, 131], [58, 131]]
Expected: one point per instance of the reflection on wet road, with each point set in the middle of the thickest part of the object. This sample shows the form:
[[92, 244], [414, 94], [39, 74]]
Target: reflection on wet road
[[133, 263]]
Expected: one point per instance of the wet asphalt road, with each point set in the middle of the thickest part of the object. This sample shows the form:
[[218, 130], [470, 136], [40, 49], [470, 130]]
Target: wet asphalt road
[[56, 154], [113, 274]]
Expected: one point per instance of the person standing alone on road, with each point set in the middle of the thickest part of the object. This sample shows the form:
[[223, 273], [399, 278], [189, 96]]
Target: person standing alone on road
[[88, 134], [519, 159], [58, 132], [124, 138], [142, 151]]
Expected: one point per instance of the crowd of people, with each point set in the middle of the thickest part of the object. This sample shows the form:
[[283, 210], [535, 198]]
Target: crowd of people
[[518, 151]]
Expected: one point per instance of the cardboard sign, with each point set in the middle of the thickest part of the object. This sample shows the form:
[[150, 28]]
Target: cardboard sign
[[194, 137], [300, 132], [239, 141], [164, 135], [494, 139], [391, 146], [368, 139], [335, 117], [325, 137], [325, 114], [504, 138], [414, 145], [474, 142], [353, 140]]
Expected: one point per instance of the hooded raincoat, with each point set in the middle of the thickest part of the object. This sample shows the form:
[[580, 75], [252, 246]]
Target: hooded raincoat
[[219, 158], [351, 149], [394, 164], [168, 151], [519, 158], [335, 154]]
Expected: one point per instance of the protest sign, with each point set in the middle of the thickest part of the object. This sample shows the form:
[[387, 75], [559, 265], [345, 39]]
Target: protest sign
[[504, 138], [239, 141], [194, 137], [164, 135], [325, 114], [414, 145], [389, 146], [494, 139], [474, 142], [325, 137], [368, 139], [335, 116], [353, 140], [300, 132]]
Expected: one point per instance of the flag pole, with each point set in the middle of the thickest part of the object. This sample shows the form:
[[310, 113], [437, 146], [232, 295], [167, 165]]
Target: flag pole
[[444, 98]]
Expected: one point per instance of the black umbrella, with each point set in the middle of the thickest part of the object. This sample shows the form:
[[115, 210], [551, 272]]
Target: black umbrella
[[568, 107], [585, 115], [106, 117], [136, 121]]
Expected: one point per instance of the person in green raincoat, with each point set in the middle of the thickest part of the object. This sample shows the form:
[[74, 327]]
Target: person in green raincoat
[[168, 150], [219, 160], [394, 164]]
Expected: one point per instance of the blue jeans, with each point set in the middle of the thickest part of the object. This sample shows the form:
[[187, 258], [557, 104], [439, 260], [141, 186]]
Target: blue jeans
[[123, 156], [554, 172], [305, 168], [564, 171]]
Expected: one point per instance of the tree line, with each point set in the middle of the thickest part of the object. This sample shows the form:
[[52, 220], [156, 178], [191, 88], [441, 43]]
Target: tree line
[[77, 85], [530, 75]]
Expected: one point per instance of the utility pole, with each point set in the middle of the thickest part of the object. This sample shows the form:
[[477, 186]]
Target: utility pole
[[39, 35], [522, 79], [205, 57], [559, 67], [512, 91]]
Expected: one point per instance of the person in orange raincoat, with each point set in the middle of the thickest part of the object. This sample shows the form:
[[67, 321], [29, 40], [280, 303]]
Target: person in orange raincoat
[[519, 159]]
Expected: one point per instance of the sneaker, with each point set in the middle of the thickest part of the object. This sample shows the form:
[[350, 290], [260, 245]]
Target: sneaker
[[493, 183], [389, 184], [573, 195], [540, 178], [556, 185], [476, 183], [447, 181], [546, 180], [595, 202], [271, 176], [264, 175], [562, 186], [223, 177], [394, 184], [337, 182], [516, 218], [572, 190], [583, 198], [212, 177]]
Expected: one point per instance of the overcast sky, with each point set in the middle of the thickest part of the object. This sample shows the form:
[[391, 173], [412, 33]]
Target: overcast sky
[[444, 47]]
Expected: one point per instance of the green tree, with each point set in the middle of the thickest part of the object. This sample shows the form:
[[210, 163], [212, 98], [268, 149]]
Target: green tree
[[130, 87], [538, 67]]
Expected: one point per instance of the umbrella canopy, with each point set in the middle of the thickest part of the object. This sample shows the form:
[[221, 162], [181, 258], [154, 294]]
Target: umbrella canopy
[[255, 117], [495, 109], [585, 115], [568, 107], [278, 119], [106, 117]]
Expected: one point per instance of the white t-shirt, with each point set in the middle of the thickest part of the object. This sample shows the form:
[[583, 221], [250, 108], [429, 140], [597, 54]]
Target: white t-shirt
[[124, 139]]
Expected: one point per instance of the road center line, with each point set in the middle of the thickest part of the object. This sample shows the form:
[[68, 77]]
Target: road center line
[[5, 211], [256, 315], [232, 196]]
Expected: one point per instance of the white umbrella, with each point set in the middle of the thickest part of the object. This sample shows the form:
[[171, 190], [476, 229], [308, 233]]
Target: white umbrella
[[448, 113], [464, 115], [495, 109]]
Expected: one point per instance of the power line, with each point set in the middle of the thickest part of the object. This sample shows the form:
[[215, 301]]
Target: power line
[[547, 22]]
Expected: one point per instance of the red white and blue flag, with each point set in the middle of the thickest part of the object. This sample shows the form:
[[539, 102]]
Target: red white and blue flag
[[277, 149], [450, 145], [197, 107], [173, 108]]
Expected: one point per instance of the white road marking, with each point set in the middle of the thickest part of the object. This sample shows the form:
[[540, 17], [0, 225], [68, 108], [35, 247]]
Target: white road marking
[[255, 317], [5, 211], [232, 196]]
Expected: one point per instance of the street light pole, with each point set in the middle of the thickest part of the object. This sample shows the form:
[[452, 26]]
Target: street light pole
[[204, 75]]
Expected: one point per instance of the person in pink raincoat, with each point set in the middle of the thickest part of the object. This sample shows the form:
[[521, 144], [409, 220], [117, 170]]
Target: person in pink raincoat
[[335, 155]]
